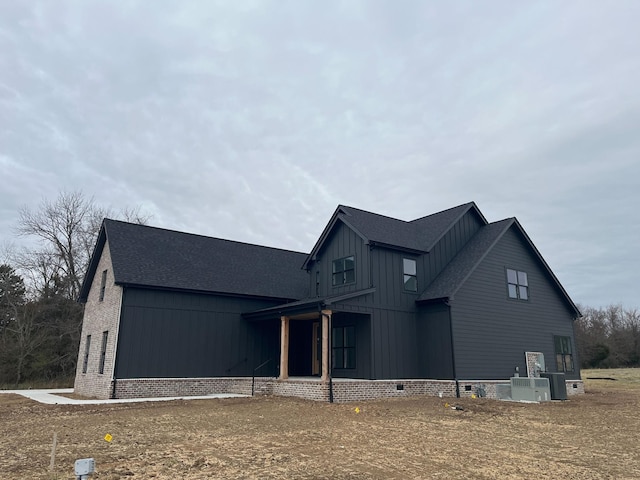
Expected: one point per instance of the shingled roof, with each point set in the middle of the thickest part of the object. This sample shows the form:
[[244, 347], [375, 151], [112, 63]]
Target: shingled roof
[[458, 270], [155, 257], [418, 235], [455, 274]]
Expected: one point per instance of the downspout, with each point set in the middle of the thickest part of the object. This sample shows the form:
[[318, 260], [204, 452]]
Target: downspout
[[329, 359], [453, 355]]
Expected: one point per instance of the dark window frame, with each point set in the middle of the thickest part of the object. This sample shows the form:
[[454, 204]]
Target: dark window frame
[[339, 270], [517, 284], [409, 278], [343, 347], [85, 360], [103, 351], [103, 285], [564, 354]]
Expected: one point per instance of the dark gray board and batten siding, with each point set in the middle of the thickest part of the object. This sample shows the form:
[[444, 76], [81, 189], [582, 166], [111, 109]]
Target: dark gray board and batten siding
[[179, 334], [483, 314]]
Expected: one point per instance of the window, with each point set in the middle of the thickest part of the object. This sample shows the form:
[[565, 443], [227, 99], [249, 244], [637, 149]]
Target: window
[[103, 284], [410, 279], [317, 283], [344, 271], [85, 362], [518, 284], [564, 357], [103, 351], [344, 347]]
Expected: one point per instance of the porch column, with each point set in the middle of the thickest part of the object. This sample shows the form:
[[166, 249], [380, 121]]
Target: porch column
[[326, 327], [284, 348]]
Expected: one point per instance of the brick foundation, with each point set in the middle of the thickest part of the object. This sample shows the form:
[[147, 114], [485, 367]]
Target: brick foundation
[[344, 390], [575, 387]]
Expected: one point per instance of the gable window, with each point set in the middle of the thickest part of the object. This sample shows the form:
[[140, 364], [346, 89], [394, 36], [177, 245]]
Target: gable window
[[344, 347], [344, 271], [85, 361], [103, 285], [103, 351], [564, 356], [317, 283], [518, 284], [409, 275]]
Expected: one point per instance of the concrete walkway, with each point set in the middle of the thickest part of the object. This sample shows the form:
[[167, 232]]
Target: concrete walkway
[[50, 397]]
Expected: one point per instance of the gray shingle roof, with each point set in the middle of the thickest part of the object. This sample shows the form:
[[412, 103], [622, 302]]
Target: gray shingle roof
[[155, 257], [457, 271], [420, 235]]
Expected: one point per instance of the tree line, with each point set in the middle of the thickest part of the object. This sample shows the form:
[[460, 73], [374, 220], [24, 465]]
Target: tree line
[[40, 318], [608, 337]]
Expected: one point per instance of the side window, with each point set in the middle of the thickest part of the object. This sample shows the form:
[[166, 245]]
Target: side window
[[85, 361], [103, 285], [103, 351], [517, 284], [344, 271], [344, 347], [564, 355], [409, 275]]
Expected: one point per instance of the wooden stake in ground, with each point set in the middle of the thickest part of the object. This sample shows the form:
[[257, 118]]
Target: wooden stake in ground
[[53, 451]]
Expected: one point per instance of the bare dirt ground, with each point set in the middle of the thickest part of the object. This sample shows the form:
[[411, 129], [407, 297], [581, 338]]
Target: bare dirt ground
[[588, 437]]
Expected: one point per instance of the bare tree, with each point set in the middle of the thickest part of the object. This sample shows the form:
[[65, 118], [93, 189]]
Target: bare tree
[[41, 340], [67, 229]]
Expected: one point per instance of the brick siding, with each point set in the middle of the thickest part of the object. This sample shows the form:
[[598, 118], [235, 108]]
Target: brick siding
[[99, 316], [344, 390]]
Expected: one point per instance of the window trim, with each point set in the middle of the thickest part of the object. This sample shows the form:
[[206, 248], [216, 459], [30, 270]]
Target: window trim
[[406, 276], [343, 350], [520, 285], [343, 271], [103, 351], [85, 360], [563, 354]]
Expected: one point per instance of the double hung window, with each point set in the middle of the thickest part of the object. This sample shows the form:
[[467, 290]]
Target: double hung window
[[410, 277], [564, 355], [344, 271], [517, 284], [343, 348]]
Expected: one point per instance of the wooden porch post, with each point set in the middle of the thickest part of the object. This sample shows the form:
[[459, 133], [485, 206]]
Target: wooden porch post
[[326, 326], [284, 348]]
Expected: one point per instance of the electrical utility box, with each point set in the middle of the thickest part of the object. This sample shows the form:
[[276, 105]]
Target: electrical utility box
[[84, 467], [557, 384], [530, 389]]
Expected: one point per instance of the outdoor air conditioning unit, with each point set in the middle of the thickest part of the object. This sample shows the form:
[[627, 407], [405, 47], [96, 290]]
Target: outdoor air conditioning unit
[[530, 389]]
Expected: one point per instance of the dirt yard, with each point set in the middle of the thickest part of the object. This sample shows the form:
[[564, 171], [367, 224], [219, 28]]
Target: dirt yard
[[592, 436]]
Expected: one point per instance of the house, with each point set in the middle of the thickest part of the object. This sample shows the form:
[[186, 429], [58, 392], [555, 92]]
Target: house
[[379, 307]]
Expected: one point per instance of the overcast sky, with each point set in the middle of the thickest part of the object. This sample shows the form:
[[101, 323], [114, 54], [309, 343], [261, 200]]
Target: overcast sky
[[253, 120]]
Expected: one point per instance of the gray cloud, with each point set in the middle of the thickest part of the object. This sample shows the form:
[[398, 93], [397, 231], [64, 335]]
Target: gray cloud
[[253, 120]]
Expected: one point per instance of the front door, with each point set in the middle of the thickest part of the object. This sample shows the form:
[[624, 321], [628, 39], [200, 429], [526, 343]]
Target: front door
[[316, 349]]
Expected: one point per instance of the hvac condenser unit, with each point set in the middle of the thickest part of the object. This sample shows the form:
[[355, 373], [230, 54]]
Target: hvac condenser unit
[[530, 389]]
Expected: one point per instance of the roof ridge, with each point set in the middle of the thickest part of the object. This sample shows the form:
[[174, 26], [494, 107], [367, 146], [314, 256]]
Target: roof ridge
[[374, 213], [443, 211], [203, 236]]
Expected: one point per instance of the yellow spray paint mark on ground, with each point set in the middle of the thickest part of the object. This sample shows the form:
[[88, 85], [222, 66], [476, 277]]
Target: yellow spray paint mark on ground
[[357, 409], [108, 437]]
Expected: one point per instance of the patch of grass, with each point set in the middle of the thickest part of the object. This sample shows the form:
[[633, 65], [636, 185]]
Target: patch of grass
[[627, 378]]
